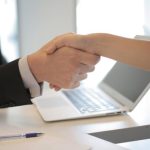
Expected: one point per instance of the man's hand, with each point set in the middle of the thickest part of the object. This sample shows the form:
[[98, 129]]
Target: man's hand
[[65, 68]]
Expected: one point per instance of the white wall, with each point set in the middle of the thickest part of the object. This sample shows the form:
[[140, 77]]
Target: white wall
[[42, 20], [147, 17]]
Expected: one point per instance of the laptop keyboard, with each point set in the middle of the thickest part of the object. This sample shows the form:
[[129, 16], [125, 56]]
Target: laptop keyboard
[[88, 100]]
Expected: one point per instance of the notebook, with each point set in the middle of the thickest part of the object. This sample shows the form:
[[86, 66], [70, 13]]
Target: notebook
[[119, 92]]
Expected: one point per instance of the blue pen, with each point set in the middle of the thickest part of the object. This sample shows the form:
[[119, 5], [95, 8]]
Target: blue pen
[[26, 135]]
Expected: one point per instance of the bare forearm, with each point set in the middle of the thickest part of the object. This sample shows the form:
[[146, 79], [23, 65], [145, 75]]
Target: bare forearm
[[130, 51]]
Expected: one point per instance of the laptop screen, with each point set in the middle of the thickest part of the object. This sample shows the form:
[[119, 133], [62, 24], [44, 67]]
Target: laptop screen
[[127, 80]]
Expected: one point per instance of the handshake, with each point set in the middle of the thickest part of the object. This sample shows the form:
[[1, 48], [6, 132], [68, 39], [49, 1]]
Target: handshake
[[64, 61]]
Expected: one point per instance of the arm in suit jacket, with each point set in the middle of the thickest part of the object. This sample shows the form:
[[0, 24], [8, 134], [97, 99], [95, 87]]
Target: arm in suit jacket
[[12, 90]]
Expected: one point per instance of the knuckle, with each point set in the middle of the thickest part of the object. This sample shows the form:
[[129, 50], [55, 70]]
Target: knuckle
[[83, 76], [77, 84], [92, 68], [89, 68], [69, 81], [95, 59]]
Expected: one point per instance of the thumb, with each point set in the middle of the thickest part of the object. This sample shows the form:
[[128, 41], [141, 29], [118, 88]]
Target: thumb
[[57, 43], [76, 41]]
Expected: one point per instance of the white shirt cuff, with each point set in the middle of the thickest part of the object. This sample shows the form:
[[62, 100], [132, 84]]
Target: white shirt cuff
[[28, 78]]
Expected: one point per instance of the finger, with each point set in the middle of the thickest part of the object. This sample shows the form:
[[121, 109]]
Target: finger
[[81, 77], [81, 42], [51, 86], [73, 40], [57, 42], [88, 58], [85, 68], [76, 81], [91, 68], [75, 85], [55, 87]]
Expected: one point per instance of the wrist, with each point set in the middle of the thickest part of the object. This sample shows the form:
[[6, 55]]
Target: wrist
[[97, 43], [34, 66]]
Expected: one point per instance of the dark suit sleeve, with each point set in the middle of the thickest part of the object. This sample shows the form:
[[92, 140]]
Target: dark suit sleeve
[[12, 90]]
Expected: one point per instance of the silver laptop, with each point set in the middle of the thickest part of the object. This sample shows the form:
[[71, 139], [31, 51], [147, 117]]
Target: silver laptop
[[119, 92]]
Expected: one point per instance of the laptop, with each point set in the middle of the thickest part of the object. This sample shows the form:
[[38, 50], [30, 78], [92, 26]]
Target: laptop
[[120, 91]]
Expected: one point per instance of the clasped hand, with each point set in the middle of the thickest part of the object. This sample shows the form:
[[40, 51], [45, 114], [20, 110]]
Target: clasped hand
[[61, 65]]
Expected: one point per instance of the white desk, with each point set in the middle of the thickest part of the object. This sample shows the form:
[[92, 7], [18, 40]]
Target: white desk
[[67, 133]]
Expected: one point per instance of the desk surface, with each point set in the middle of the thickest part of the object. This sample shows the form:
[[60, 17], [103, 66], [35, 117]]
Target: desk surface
[[71, 133]]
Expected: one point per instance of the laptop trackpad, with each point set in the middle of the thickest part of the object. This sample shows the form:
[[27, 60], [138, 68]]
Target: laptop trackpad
[[54, 108]]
